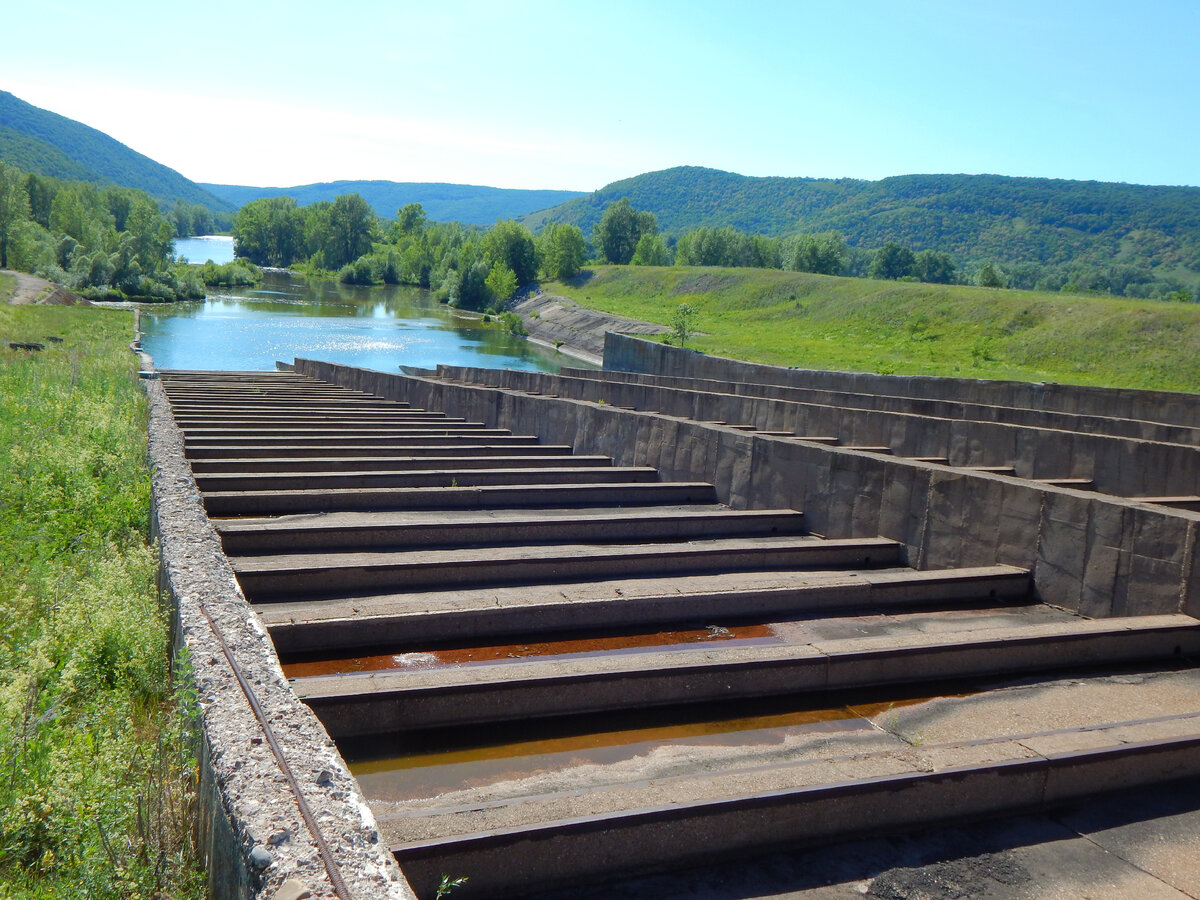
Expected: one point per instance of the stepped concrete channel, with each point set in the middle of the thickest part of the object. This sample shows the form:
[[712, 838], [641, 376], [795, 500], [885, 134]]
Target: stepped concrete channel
[[569, 629]]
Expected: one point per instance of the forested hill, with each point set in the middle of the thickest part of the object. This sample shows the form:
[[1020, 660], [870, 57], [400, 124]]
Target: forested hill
[[45, 143], [469, 204], [974, 217]]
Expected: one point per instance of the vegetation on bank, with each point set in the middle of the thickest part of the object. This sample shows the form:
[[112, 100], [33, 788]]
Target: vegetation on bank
[[466, 267], [103, 243], [97, 772], [824, 322], [107, 243]]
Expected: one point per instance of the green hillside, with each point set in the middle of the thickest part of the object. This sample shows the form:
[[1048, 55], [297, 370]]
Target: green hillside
[[859, 324], [45, 143], [1012, 221], [469, 204]]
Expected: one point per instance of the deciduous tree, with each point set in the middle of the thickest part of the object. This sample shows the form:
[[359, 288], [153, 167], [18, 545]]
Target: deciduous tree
[[14, 207], [891, 261], [620, 228], [561, 250]]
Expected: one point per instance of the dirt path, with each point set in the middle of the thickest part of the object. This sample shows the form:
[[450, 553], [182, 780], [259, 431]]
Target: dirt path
[[31, 289]]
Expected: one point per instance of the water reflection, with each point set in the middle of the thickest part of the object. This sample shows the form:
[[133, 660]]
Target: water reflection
[[285, 317]]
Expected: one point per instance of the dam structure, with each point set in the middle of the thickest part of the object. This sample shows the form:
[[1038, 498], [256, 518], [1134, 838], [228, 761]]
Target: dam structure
[[548, 631]]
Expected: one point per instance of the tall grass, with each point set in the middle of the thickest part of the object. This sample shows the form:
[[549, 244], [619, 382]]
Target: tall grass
[[823, 322], [96, 775]]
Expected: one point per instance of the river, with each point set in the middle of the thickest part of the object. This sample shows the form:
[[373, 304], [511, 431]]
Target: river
[[196, 250], [286, 317]]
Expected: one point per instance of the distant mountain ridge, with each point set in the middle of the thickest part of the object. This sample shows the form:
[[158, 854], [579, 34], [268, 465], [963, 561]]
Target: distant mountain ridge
[[469, 204], [975, 217], [37, 140]]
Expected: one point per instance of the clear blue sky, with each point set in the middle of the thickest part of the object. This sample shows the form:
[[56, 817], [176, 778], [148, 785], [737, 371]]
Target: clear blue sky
[[574, 94]]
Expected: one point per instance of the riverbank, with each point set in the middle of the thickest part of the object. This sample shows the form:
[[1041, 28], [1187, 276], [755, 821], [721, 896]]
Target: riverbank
[[29, 290], [859, 324], [562, 324], [97, 798]]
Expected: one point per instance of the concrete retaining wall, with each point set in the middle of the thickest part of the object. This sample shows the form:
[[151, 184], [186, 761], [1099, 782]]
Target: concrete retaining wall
[[1126, 467], [635, 355], [252, 832], [1100, 555]]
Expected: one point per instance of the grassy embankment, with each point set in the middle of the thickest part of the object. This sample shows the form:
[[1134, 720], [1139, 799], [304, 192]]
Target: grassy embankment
[[857, 324], [95, 767]]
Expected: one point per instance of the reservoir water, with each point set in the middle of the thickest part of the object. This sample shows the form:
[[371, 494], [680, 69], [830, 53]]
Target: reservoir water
[[286, 317]]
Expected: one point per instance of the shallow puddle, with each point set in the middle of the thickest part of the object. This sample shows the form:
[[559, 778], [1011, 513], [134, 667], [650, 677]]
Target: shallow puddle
[[415, 766], [569, 648]]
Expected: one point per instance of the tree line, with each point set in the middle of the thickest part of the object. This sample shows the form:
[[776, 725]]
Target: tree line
[[626, 236], [102, 242], [480, 269], [1045, 234]]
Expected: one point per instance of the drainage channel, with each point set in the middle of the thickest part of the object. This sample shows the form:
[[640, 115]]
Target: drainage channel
[[643, 674]]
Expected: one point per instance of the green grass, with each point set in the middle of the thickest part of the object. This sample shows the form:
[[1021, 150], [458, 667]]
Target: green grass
[[858, 324], [95, 771], [8, 284]]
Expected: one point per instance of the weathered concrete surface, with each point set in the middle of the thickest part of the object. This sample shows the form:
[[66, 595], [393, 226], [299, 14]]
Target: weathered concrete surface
[[1143, 843], [1100, 555], [432, 616], [937, 408], [254, 835], [1008, 748], [1113, 464], [633, 355], [551, 319], [538, 821]]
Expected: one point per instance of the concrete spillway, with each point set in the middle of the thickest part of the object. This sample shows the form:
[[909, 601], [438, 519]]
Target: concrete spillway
[[546, 667]]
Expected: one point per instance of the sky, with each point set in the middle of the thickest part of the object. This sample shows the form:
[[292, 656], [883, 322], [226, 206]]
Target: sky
[[576, 94]]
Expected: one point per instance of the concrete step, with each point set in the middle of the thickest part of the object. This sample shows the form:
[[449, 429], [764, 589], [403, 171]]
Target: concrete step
[[186, 422], [449, 696], [496, 445], [251, 407], [836, 785], [396, 439], [362, 531], [289, 576], [1189, 502], [446, 477], [301, 395], [1079, 484], [272, 503], [413, 618], [316, 429], [464, 459]]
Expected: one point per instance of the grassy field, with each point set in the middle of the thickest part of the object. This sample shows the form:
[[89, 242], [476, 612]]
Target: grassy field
[[95, 770], [857, 324], [8, 284]]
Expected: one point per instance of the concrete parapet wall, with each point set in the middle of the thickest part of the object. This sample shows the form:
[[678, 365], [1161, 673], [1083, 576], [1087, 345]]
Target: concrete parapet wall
[[1118, 465], [949, 409], [1102, 556], [631, 354], [252, 831]]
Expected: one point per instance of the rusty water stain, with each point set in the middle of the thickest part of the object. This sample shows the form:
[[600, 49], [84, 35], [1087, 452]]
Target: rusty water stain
[[429, 769], [424, 775], [569, 648]]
